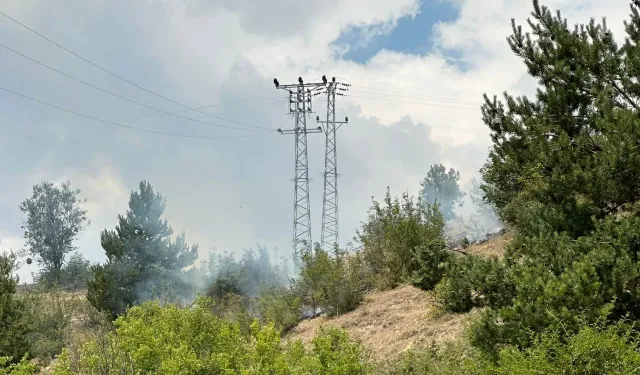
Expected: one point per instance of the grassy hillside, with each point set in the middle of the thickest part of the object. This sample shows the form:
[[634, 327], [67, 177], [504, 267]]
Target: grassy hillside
[[390, 322]]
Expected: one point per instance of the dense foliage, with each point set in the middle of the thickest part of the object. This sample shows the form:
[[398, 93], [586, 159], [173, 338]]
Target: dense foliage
[[403, 241], [569, 154], [13, 325], [334, 281], [560, 174], [143, 262], [594, 350], [169, 340]]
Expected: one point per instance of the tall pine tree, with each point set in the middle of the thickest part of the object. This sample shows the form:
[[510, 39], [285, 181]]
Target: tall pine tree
[[143, 262], [570, 153]]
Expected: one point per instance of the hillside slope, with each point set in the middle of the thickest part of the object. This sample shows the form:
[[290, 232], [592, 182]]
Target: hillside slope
[[390, 322]]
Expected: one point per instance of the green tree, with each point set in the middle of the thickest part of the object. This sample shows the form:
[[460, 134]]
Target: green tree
[[76, 272], [54, 219], [13, 327], [398, 240], [441, 187], [315, 276], [143, 262], [570, 153]]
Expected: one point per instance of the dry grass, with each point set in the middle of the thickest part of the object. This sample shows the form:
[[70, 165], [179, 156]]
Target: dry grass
[[493, 248], [389, 322]]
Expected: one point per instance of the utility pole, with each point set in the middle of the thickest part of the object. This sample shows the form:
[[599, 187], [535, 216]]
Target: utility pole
[[329, 237], [300, 105]]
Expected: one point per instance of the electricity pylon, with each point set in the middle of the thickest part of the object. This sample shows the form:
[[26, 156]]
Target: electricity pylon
[[329, 236], [300, 105]]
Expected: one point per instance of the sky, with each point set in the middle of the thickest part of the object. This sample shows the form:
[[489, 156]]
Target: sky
[[417, 69]]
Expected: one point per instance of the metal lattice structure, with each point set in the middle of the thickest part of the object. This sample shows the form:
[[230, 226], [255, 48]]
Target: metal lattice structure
[[329, 236], [300, 106]]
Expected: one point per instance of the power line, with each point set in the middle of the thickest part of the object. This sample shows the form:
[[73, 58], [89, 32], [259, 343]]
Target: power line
[[131, 100], [28, 138], [421, 95], [234, 102], [452, 101], [127, 126], [406, 102], [230, 110], [107, 70]]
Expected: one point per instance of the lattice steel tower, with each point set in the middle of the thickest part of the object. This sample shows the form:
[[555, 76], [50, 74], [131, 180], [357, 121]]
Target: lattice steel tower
[[300, 105], [329, 237]]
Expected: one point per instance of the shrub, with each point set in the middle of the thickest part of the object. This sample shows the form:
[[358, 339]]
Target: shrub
[[13, 324], [169, 340], [55, 319], [23, 367], [281, 306], [403, 241], [472, 281], [345, 289], [558, 281], [451, 358], [595, 349]]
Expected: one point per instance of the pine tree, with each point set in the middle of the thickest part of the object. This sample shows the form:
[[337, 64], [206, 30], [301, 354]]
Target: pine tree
[[13, 325], [441, 187], [571, 153], [143, 261]]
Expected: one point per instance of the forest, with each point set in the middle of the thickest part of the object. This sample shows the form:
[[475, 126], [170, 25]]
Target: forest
[[562, 178]]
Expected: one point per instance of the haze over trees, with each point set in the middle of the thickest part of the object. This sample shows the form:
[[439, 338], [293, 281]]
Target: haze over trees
[[143, 262], [441, 187], [563, 175]]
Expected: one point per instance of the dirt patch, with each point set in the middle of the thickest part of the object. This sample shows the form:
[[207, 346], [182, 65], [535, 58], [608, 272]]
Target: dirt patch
[[493, 248], [389, 322]]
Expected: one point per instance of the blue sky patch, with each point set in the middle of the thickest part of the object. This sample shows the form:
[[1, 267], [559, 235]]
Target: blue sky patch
[[412, 34]]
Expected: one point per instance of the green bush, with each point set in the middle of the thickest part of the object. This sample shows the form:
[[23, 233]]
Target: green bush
[[55, 318], [170, 340], [452, 358], [403, 241], [14, 326], [333, 281], [23, 367], [472, 281], [345, 290], [281, 306], [613, 351], [596, 349], [558, 281]]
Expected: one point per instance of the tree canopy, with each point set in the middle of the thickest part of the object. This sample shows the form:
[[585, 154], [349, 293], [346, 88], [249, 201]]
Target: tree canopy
[[54, 219], [143, 261], [571, 153]]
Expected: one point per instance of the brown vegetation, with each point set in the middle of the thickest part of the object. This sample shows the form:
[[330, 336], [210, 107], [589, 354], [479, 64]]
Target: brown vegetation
[[389, 322]]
